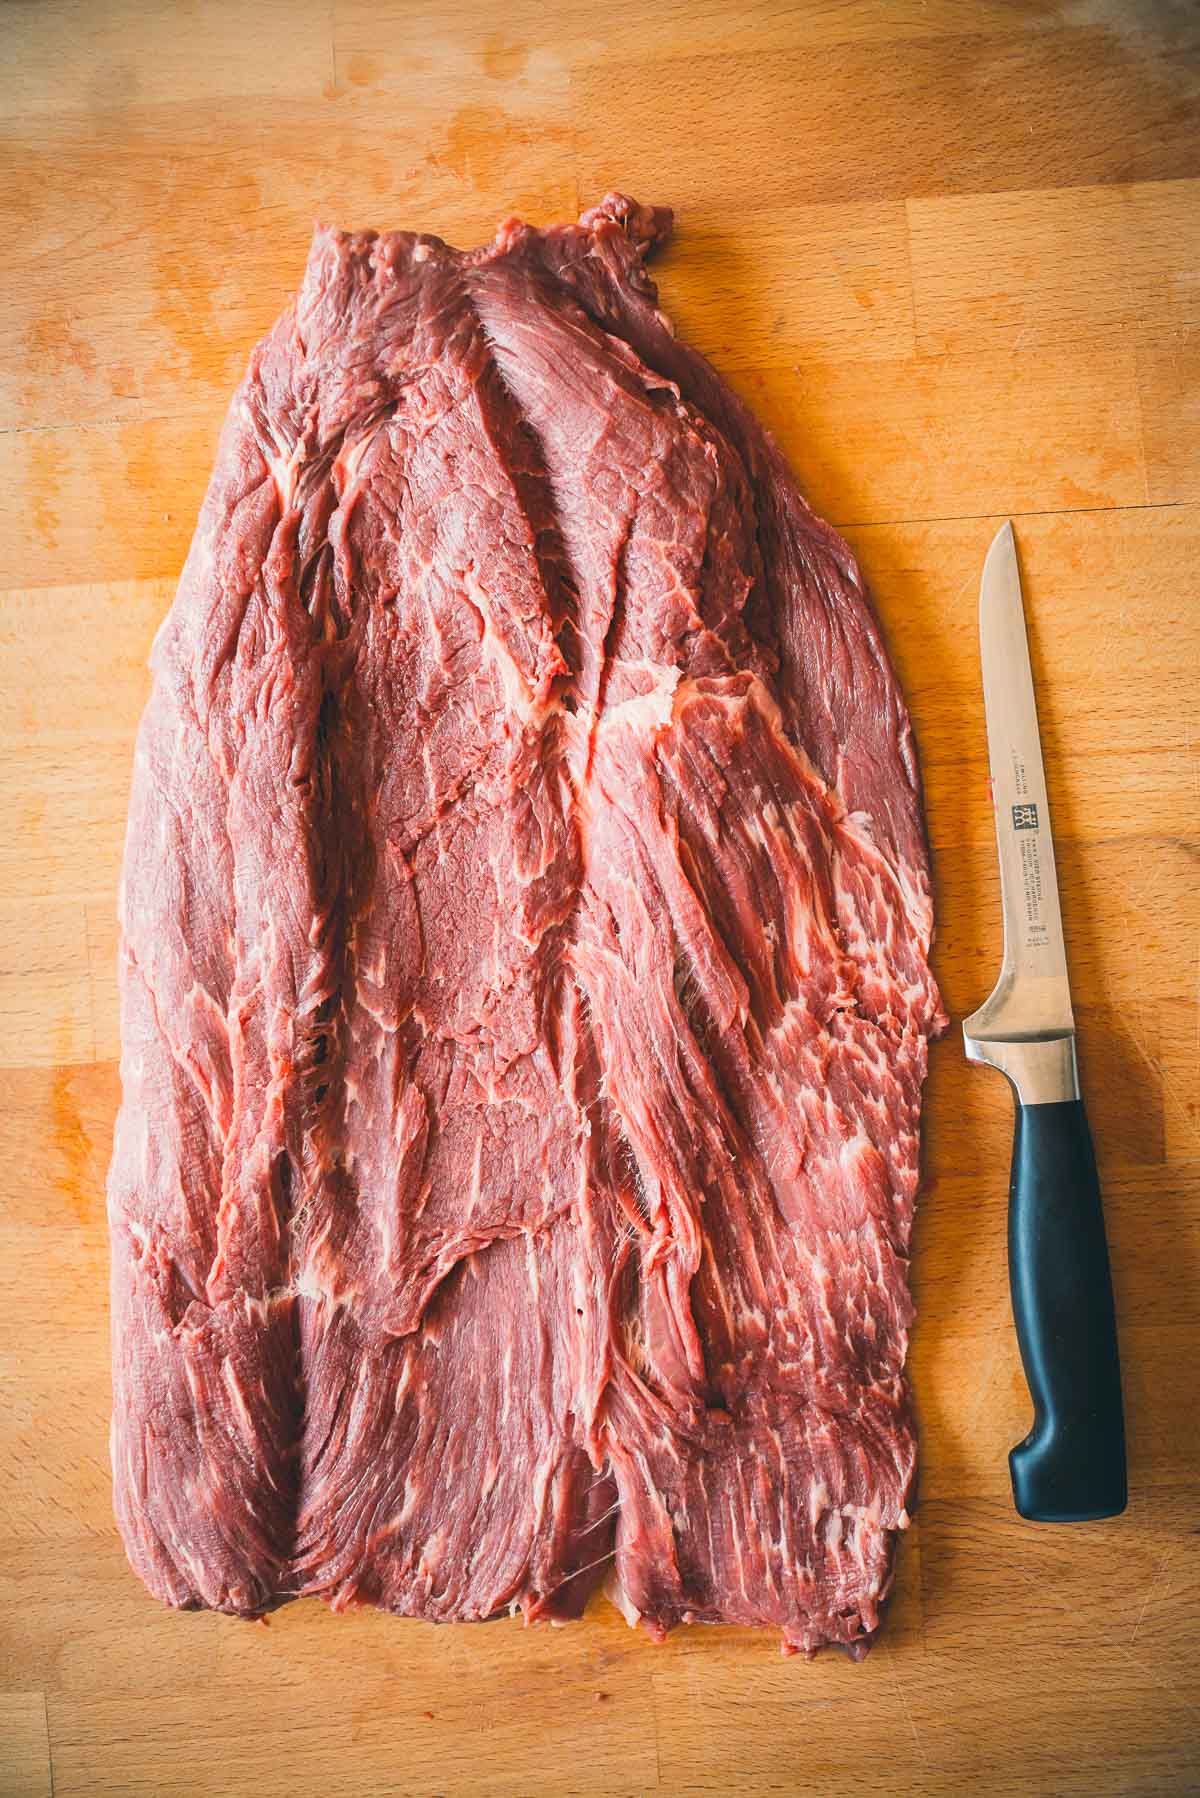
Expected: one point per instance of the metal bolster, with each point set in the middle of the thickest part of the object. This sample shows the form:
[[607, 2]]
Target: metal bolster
[[1043, 1070]]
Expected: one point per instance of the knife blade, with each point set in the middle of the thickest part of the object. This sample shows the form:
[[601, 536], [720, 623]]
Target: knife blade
[[1071, 1465]]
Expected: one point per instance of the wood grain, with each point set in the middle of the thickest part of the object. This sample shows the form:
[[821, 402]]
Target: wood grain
[[23, 1733], [1169, 386], [1019, 270], [952, 256], [1066, 108]]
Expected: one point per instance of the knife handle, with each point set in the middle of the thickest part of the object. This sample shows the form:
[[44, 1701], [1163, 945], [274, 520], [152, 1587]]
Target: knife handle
[[1071, 1466]]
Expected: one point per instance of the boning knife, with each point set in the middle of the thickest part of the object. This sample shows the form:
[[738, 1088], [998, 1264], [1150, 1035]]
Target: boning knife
[[1071, 1466]]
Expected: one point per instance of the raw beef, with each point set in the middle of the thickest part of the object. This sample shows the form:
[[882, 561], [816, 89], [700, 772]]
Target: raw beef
[[525, 988]]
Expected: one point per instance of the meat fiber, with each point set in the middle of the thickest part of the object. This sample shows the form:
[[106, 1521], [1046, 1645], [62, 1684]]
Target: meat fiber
[[525, 995]]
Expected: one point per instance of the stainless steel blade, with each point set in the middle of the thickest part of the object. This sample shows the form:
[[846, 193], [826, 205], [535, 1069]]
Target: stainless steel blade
[[1026, 1027]]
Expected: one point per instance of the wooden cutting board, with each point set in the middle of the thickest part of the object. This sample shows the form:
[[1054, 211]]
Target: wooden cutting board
[[960, 276]]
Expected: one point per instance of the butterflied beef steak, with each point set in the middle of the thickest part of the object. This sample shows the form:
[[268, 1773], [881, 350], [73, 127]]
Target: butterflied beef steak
[[525, 923]]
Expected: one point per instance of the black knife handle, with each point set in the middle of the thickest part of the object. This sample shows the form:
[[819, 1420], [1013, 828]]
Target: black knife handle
[[1071, 1466]]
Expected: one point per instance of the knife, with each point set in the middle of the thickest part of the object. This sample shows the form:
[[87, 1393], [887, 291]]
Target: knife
[[1071, 1466]]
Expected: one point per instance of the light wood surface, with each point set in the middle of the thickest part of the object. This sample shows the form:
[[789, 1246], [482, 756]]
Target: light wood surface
[[951, 252]]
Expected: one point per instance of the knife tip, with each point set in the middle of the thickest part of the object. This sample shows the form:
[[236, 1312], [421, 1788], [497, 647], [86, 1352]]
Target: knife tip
[[1002, 545]]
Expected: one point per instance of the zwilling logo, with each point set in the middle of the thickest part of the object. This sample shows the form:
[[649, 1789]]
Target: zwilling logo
[[1025, 817]]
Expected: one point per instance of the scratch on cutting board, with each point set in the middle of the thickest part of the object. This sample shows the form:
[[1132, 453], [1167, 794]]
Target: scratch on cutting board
[[49, 1745], [903, 1697], [1151, 1589]]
